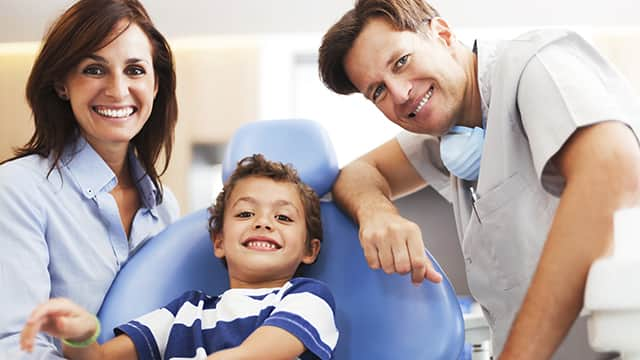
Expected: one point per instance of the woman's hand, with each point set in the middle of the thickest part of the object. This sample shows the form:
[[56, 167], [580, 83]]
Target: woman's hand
[[60, 318]]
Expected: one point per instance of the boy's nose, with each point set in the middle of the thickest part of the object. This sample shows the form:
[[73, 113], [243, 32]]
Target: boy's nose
[[260, 225]]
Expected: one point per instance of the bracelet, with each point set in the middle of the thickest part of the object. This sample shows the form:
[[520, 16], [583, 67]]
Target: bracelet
[[87, 342]]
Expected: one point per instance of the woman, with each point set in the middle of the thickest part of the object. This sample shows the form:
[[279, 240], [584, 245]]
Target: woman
[[83, 194]]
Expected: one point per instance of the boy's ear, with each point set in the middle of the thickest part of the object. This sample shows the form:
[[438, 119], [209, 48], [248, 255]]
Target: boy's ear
[[312, 252], [218, 245]]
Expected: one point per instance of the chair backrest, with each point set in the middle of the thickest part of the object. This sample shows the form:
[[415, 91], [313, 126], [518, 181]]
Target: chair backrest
[[379, 316]]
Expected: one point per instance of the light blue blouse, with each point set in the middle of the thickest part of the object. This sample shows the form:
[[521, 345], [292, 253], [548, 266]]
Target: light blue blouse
[[61, 235]]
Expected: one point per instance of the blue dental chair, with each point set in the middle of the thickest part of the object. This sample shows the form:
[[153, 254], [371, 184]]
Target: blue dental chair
[[379, 316]]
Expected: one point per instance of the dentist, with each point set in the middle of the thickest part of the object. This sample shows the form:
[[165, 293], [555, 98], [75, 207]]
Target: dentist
[[533, 141]]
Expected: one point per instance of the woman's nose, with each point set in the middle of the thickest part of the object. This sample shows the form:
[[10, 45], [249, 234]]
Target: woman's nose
[[117, 87]]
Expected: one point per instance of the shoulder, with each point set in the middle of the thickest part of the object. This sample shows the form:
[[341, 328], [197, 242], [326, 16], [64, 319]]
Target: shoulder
[[193, 299], [302, 285], [25, 175]]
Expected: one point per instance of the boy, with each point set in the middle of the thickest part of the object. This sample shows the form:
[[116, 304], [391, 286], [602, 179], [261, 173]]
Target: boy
[[264, 224]]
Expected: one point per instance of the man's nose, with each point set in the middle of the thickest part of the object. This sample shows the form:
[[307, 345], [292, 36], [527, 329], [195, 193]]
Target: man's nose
[[399, 89]]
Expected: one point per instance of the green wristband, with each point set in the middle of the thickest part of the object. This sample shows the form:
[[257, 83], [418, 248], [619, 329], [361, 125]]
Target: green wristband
[[87, 342]]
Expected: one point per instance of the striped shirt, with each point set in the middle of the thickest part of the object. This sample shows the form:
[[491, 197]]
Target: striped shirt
[[195, 324]]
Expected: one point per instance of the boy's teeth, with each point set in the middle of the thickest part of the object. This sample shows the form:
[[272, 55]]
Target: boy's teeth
[[261, 244]]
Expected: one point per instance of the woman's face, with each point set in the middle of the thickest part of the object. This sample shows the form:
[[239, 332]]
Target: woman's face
[[413, 78], [112, 90]]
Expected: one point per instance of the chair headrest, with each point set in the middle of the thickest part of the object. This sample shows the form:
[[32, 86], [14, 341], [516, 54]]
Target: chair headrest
[[304, 144]]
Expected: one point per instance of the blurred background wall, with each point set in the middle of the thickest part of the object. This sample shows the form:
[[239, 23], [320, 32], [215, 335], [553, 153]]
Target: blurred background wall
[[248, 60]]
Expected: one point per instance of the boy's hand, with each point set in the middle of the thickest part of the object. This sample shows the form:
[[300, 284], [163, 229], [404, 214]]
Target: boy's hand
[[60, 318]]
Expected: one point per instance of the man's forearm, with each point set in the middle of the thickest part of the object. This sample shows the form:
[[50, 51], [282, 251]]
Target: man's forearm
[[360, 187]]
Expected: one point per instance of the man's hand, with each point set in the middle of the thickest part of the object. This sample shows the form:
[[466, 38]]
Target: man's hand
[[394, 244]]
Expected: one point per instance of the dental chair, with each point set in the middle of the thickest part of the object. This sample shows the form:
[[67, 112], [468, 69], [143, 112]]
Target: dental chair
[[379, 316]]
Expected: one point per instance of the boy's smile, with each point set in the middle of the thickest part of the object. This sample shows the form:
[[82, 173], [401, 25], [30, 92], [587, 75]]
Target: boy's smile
[[264, 233]]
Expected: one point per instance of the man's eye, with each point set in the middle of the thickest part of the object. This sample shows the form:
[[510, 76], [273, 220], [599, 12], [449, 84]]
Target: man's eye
[[283, 218], [244, 214], [402, 61], [93, 70], [377, 92]]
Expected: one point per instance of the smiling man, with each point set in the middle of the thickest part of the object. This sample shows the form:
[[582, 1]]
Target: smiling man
[[532, 140]]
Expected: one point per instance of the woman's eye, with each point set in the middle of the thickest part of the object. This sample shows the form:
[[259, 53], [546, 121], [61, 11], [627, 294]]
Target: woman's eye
[[93, 70], [377, 92], [244, 214], [283, 218], [135, 71], [402, 61]]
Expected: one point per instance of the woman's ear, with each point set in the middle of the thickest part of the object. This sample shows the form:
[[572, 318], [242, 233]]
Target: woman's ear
[[218, 245], [312, 252], [61, 90]]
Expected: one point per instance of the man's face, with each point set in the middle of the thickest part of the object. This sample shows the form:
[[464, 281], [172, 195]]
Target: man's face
[[413, 78]]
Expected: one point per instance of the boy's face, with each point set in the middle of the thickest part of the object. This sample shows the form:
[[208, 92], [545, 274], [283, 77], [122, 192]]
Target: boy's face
[[264, 233]]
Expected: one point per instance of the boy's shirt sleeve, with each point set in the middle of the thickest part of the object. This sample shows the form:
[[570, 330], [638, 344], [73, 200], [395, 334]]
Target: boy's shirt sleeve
[[150, 332], [307, 311]]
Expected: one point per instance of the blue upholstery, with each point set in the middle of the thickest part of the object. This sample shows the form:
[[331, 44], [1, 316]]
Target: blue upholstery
[[379, 316]]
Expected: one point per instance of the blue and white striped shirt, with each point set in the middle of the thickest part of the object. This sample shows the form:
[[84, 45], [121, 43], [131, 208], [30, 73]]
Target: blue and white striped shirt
[[196, 324]]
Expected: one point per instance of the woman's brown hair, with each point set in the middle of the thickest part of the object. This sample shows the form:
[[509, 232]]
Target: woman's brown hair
[[85, 27]]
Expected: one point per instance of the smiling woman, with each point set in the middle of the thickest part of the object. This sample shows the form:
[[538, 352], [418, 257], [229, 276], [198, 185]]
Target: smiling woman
[[83, 193]]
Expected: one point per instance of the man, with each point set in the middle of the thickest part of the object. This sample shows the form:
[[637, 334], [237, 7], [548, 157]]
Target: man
[[532, 140]]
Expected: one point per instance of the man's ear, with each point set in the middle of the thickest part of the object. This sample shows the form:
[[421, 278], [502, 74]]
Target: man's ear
[[440, 29], [218, 245], [312, 252]]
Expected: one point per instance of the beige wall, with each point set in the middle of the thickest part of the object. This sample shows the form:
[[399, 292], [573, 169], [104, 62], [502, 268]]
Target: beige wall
[[217, 92]]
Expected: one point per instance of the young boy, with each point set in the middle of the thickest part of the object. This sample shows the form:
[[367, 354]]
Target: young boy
[[264, 224]]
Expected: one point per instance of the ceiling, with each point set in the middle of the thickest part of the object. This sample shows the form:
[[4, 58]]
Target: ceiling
[[27, 20]]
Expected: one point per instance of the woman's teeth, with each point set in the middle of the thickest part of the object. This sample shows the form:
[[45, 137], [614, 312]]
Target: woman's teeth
[[424, 100], [114, 113]]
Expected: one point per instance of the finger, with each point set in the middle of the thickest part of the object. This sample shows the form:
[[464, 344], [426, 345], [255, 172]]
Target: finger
[[431, 273], [371, 256], [401, 258], [418, 259], [385, 256], [28, 334]]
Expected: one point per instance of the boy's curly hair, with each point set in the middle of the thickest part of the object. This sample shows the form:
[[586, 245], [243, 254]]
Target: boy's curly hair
[[257, 165]]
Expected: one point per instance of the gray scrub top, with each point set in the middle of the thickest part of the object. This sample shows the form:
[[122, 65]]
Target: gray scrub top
[[536, 91]]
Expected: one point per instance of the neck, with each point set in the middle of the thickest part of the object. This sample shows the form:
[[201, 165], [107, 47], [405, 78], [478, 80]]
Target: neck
[[472, 110], [266, 284]]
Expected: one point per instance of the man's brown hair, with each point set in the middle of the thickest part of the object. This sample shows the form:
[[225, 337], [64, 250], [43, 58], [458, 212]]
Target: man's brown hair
[[403, 15]]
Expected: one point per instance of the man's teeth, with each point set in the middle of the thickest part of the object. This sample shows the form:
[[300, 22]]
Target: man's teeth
[[424, 100], [115, 113], [261, 244]]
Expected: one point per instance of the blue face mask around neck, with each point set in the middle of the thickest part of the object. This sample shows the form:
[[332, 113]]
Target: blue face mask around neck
[[461, 151]]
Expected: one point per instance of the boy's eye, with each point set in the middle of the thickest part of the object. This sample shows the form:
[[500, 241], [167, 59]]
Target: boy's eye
[[135, 71], [284, 218], [93, 70], [377, 92], [244, 214]]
